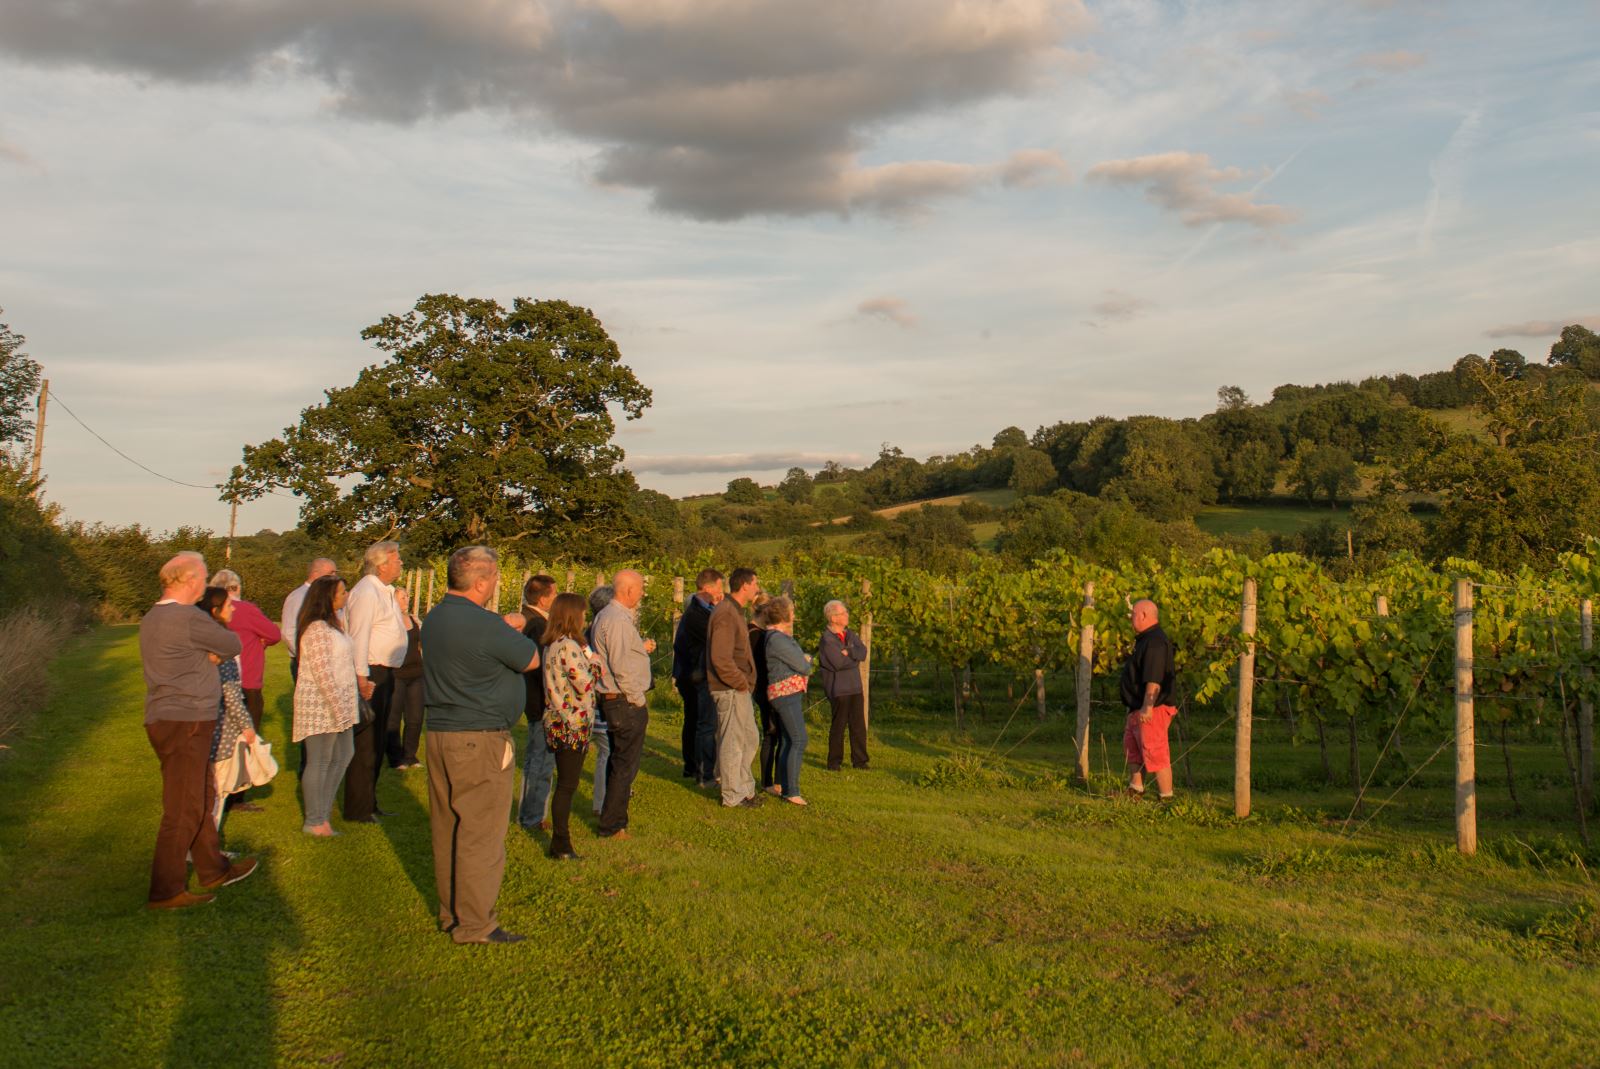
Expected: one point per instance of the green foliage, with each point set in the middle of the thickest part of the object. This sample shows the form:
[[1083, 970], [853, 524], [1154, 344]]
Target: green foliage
[[483, 426], [1031, 471], [19, 383], [37, 563], [1326, 470], [744, 491], [795, 487], [1579, 349]]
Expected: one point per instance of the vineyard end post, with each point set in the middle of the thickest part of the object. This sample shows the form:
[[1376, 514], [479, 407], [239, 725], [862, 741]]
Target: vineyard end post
[[1038, 693], [1247, 695], [677, 603], [430, 587], [1466, 769], [866, 665], [1083, 679], [1586, 708], [572, 580]]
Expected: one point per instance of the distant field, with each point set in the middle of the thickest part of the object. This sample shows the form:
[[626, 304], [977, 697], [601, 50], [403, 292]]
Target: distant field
[[995, 499], [1278, 519]]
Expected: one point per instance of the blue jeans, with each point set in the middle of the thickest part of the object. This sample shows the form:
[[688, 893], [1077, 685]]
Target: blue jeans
[[538, 766], [791, 710], [600, 739], [706, 735]]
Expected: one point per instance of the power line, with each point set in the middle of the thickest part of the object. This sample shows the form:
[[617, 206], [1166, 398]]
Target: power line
[[56, 397]]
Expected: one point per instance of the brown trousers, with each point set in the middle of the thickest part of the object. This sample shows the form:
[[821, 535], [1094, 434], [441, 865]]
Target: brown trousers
[[188, 793], [469, 806]]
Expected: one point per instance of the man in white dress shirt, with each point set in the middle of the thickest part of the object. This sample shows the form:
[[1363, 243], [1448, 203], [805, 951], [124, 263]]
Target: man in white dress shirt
[[377, 633]]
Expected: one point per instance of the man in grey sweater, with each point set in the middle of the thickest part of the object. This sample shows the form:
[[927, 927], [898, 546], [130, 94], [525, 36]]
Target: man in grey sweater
[[731, 677], [180, 648]]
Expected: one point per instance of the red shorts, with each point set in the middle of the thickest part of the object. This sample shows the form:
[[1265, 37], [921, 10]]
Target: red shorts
[[1145, 745]]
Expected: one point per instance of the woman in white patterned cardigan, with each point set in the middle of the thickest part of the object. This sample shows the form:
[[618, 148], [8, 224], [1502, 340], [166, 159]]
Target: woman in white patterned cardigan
[[325, 711]]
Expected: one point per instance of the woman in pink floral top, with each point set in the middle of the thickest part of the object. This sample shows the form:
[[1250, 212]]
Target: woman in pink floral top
[[570, 695]]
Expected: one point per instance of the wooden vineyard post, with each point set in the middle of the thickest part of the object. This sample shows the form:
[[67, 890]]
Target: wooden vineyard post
[[677, 603], [1038, 693], [522, 593], [572, 581], [786, 588], [1247, 697], [866, 665], [1083, 679], [599, 578], [1586, 708], [1466, 768], [430, 588], [496, 595]]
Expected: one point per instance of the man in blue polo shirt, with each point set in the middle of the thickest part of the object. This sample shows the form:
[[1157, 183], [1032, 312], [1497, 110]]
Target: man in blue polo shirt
[[472, 669]]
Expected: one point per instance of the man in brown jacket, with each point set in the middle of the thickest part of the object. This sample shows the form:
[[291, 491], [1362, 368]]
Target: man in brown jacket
[[731, 678]]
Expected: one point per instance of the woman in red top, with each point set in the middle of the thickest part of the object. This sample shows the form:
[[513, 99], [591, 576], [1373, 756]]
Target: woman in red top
[[256, 632]]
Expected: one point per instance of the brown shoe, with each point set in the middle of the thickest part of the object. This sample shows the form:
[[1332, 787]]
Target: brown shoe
[[620, 833], [544, 825], [181, 900], [236, 872]]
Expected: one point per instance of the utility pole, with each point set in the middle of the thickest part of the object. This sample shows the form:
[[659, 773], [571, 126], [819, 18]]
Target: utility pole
[[233, 524], [38, 437]]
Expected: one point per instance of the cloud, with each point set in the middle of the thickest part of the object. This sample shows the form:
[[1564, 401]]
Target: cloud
[[717, 109], [1307, 103], [1183, 182], [1391, 62], [1541, 328], [891, 309], [1120, 307], [11, 153], [689, 464]]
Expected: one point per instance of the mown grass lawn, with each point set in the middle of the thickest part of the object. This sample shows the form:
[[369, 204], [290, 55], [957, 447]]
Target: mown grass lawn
[[930, 912]]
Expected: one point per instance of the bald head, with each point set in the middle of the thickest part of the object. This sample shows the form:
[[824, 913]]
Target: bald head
[[629, 588], [320, 567], [183, 578], [1145, 615]]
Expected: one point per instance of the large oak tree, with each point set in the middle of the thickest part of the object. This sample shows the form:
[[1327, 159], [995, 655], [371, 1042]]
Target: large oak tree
[[482, 426]]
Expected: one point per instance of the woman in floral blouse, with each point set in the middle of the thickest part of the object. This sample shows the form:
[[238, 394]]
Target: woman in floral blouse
[[325, 711], [569, 704], [233, 716]]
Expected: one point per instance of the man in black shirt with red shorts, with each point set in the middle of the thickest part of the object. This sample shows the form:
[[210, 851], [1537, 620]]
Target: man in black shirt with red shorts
[[1147, 679]]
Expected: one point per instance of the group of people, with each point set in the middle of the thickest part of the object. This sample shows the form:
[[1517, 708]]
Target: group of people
[[368, 673]]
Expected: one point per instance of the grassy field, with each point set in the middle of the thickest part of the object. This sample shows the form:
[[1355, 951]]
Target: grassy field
[[1277, 518], [960, 904]]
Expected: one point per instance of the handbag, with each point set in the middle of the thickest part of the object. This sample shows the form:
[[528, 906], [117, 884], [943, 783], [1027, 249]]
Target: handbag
[[795, 684], [259, 764]]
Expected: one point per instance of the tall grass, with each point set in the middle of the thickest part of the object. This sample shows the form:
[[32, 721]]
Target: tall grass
[[30, 638]]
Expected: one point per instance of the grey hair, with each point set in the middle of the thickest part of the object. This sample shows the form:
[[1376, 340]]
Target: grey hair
[[467, 565], [316, 566], [227, 579], [600, 597], [833, 608], [376, 555]]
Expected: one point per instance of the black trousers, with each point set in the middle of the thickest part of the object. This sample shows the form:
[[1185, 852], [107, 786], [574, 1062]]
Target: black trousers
[[690, 693], [294, 680], [771, 732], [405, 707], [848, 710], [361, 779], [627, 722], [569, 766]]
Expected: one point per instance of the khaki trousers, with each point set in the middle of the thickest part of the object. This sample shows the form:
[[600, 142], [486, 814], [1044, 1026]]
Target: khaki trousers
[[469, 805]]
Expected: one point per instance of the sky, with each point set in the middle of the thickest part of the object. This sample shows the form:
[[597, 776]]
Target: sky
[[811, 228]]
